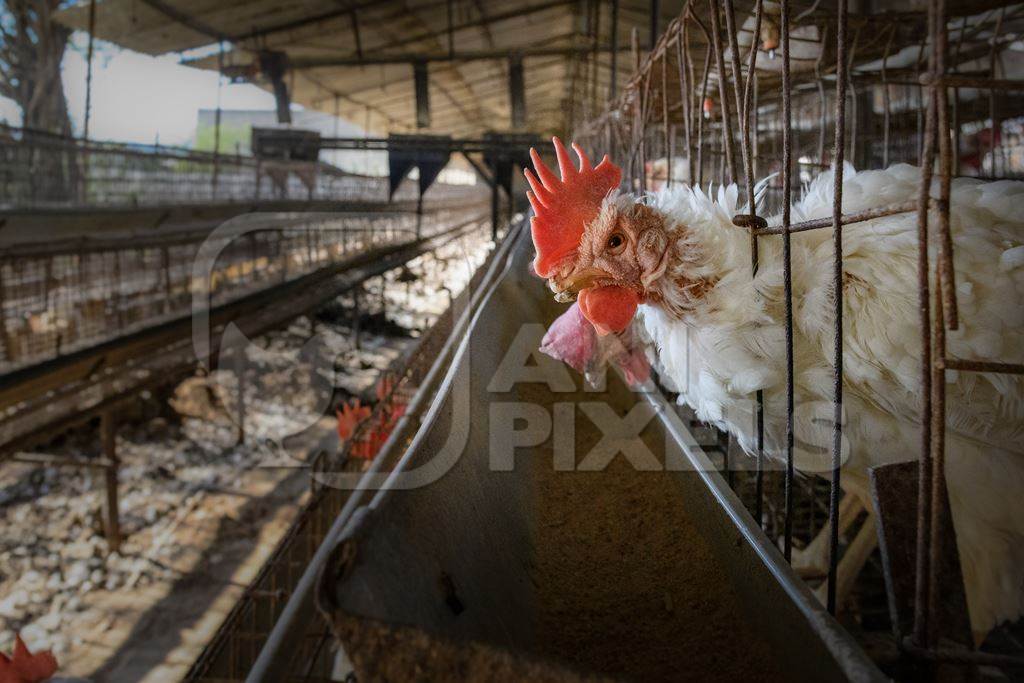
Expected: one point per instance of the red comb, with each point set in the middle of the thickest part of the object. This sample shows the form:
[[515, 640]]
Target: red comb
[[563, 207]]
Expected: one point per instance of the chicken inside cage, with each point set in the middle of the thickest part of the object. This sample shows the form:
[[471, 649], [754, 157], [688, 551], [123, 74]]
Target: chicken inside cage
[[826, 265], [625, 340]]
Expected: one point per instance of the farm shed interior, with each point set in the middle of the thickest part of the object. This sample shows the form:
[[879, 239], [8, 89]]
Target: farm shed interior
[[184, 330]]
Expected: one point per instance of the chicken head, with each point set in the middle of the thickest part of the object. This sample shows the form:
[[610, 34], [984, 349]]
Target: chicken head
[[592, 242]]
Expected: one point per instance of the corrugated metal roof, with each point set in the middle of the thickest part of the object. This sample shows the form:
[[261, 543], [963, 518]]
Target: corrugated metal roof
[[355, 57]]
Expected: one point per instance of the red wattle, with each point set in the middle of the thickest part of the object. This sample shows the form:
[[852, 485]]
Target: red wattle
[[610, 308]]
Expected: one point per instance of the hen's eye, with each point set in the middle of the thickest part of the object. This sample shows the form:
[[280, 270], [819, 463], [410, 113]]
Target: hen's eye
[[616, 241]]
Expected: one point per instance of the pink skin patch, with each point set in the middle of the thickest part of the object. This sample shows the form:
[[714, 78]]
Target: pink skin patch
[[571, 339], [635, 366], [609, 308]]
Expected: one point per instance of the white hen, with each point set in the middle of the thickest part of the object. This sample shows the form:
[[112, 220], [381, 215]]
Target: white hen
[[676, 259], [728, 345]]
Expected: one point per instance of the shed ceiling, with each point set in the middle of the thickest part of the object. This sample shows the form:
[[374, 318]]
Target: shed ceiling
[[356, 58]]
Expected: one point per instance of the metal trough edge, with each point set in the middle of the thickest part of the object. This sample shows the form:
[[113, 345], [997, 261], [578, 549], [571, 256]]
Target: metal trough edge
[[271, 660]]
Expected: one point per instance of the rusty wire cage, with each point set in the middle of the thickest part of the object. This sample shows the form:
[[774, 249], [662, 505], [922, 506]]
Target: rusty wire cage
[[45, 170], [59, 297], [738, 91], [237, 644]]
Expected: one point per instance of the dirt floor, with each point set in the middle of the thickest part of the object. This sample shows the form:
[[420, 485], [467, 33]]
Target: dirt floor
[[626, 585], [200, 511]]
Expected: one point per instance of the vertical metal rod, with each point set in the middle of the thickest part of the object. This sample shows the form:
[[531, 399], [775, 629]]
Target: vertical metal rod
[[494, 209], [943, 316], [922, 571], [216, 122], [88, 71], [956, 101], [852, 88], [108, 435], [655, 16], [787, 270], [88, 101], [992, 63], [240, 372], [716, 43], [683, 57], [451, 28], [664, 118], [356, 317], [756, 130], [920, 105], [886, 103], [743, 117], [822, 98], [615, 50], [837, 286], [947, 276], [5, 338], [165, 266], [700, 117]]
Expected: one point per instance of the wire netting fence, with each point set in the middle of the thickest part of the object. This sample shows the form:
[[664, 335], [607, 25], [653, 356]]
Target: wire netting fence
[[737, 91]]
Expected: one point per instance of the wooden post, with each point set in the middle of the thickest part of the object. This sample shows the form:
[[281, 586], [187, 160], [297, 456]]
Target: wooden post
[[108, 430], [240, 373], [5, 338], [355, 316], [422, 89], [494, 210], [517, 91]]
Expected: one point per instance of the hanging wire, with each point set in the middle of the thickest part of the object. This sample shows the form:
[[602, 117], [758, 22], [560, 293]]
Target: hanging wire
[[716, 42], [837, 294], [787, 271], [922, 571]]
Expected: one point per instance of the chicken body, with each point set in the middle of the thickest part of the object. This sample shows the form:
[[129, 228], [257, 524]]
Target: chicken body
[[720, 337]]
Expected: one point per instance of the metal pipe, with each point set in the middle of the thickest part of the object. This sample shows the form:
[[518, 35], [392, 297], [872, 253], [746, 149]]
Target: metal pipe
[[922, 572], [787, 271], [727, 140], [615, 50], [272, 657], [837, 287]]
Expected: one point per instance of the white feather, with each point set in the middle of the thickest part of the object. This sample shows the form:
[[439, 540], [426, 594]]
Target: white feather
[[732, 344]]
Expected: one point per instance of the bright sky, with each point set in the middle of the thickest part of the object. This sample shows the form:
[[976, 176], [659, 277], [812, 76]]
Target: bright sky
[[135, 97]]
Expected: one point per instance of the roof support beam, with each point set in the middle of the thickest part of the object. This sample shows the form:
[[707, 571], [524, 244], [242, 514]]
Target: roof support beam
[[184, 19], [422, 82], [274, 65], [465, 56], [517, 92]]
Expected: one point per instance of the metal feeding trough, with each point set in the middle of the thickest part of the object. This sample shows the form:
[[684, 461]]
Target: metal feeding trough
[[558, 559]]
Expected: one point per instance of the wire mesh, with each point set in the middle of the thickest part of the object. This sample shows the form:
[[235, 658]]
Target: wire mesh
[[59, 298], [237, 644], [894, 87], [42, 170]]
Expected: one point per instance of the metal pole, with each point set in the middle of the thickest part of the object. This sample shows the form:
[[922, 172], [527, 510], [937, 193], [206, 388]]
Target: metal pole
[[108, 436], [615, 50], [88, 70], [494, 209], [787, 273], [837, 287], [88, 100], [216, 122], [655, 15]]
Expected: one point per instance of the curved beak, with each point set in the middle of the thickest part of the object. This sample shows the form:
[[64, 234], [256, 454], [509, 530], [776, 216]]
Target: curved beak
[[578, 281]]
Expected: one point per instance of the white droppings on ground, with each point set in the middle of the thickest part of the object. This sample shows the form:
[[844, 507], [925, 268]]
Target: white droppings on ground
[[199, 510]]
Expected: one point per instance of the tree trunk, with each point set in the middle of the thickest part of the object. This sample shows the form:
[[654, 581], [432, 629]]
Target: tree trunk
[[31, 53]]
